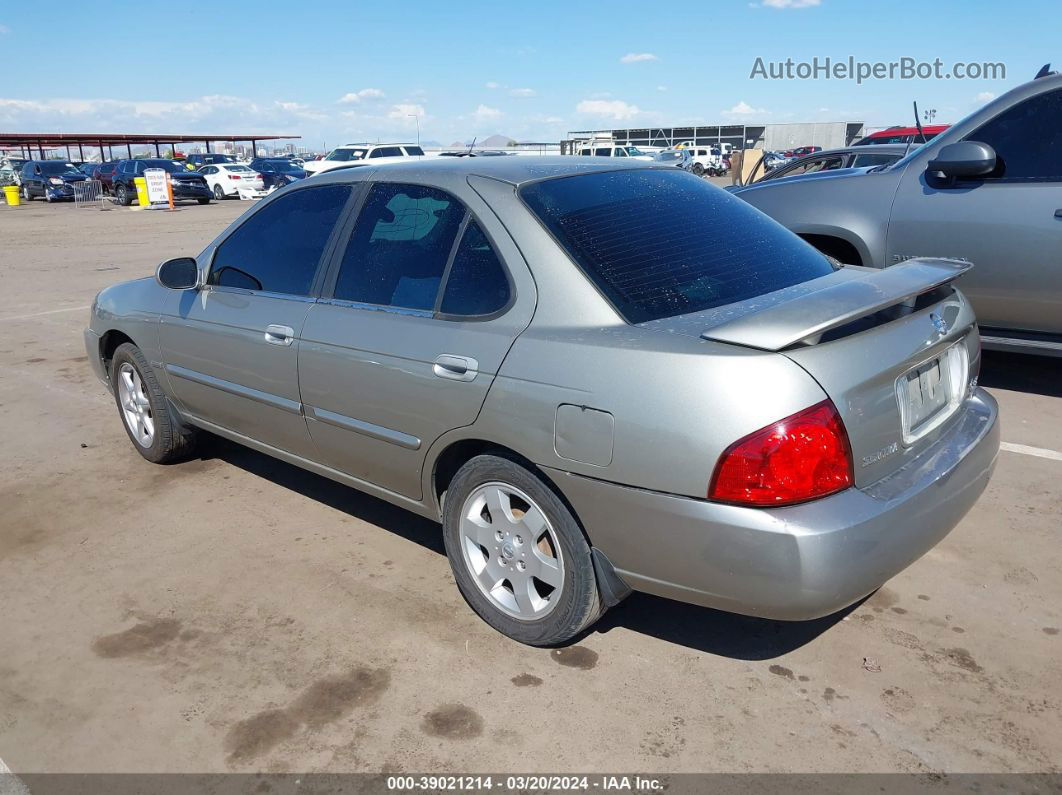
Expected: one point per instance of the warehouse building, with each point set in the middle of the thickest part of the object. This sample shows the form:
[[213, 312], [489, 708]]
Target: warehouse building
[[772, 137]]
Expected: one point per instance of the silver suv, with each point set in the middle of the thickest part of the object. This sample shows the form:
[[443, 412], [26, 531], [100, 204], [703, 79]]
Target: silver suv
[[988, 190]]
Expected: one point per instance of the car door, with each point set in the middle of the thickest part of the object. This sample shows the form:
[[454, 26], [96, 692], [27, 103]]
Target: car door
[[1008, 224], [413, 324], [231, 348]]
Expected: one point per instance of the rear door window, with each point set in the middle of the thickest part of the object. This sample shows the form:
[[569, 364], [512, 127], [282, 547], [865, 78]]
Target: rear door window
[[386, 151], [279, 248], [662, 242], [477, 283], [399, 248]]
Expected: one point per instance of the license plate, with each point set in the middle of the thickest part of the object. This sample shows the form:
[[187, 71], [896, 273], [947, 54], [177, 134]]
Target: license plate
[[929, 393]]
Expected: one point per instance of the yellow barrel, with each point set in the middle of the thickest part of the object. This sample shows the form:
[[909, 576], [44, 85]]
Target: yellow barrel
[[11, 194], [141, 191]]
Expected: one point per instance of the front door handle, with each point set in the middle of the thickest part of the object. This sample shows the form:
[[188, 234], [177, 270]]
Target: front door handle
[[456, 368], [279, 335]]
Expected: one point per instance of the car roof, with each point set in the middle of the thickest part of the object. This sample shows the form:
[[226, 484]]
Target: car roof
[[379, 143], [514, 170]]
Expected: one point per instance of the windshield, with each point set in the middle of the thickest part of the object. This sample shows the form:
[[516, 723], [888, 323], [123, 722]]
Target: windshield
[[634, 151], [54, 168], [669, 157], [282, 165], [235, 168], [347, 154], [662, 242]]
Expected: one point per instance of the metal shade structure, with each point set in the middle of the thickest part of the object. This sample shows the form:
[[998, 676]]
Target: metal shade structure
[[28, 143]]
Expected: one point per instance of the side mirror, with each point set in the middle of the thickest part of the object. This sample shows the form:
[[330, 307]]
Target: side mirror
[[181, 273], [964, 159]]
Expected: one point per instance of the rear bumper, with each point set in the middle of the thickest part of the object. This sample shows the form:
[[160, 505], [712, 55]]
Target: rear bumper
[[799, 562]]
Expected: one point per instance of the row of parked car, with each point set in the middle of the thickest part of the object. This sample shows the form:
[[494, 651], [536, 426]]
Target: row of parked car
[[220, 178]]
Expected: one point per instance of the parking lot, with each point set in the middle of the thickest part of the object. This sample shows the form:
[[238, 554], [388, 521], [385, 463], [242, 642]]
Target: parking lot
[[237, 613]]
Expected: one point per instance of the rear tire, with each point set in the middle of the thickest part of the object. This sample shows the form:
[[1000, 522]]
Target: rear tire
[[502, 521], [219, 194], [122, 194], [698, 169], [26, 193], [203, 201], [144, 410]]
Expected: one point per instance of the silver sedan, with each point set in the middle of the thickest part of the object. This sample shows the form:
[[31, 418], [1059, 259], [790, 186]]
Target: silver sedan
[[597, 377]]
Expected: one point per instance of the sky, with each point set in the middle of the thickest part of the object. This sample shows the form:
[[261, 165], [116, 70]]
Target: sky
[[339, 71]]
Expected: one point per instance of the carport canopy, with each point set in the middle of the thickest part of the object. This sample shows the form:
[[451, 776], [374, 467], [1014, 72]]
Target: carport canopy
[[28, 143]]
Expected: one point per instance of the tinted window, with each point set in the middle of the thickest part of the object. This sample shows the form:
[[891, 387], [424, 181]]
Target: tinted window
[[862, 161], [414, 150], [603, 152], [1027, 138], [398, 250], [662, 242], [278, 248], [386, 151], [477, 284]]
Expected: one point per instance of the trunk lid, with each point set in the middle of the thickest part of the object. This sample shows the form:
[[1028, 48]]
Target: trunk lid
[[894, 349]]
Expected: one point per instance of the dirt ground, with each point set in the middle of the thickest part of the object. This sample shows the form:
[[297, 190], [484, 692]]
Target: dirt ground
[[237, 613]]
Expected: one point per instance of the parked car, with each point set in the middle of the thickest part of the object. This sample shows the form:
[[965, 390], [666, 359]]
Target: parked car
[[227, 179], [830, 160], [195, 161], [986, 190], [88, 168], [608, 149], [276, 172], [186, 184], [361, 154], [673, 157], [104, 172], [761, 432], [801, 151], [902, 135], [705, 160], [50, 179]]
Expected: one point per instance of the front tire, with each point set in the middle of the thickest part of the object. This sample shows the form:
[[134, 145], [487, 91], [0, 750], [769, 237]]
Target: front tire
[[518, 555], [144, 411], [203, 201], [26, 193], [698, 169]]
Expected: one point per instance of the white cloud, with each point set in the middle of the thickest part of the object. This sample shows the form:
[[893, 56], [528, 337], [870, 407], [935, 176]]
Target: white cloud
[[404, 109], [485, 113], [491, 85], [985, 96], [744, 109], [522, 92], [791, 3], [4, 29], [611, 108], [637, 57], [357, 96], [661, 88]]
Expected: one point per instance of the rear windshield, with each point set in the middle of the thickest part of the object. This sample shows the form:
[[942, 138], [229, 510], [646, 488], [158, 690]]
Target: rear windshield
[[662, 242]]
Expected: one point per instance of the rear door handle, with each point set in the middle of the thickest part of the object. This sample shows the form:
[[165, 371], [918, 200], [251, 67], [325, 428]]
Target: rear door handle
[[279, 335], [1058, 213], [456, 368]]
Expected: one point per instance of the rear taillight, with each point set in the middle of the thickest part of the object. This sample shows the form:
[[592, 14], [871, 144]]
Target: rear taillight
[[235, 176], [800, 458]]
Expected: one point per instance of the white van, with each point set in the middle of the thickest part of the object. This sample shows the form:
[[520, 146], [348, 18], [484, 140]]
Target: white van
[[606, 149]]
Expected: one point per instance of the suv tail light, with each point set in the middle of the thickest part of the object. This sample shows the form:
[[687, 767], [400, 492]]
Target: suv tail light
[[801, 458]]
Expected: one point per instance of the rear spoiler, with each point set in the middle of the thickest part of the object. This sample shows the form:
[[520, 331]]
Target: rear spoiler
[[842, 299]]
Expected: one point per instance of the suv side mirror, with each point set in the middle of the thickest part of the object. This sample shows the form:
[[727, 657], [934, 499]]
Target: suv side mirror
[[181, 273], [964, 159]]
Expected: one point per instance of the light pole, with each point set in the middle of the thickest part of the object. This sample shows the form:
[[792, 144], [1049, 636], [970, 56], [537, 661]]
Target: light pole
[[417, 118], [929, 115]]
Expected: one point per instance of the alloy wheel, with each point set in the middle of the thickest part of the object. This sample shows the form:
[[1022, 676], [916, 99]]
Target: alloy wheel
[[512, 551], [136, 408]]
